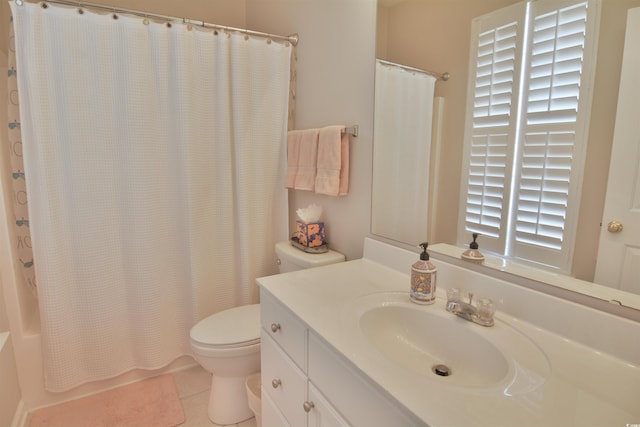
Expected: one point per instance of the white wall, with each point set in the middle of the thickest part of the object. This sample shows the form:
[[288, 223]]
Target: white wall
[[335, 81]]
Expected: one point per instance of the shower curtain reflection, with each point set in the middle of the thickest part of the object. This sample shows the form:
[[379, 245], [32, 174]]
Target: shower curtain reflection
[[153, 165], [401, 153]]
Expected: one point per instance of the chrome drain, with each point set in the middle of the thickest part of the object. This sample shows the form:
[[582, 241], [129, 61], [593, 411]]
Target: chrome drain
[[441, 370]]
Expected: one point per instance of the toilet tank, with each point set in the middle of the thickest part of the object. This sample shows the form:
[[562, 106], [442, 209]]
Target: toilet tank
[[292, 259]]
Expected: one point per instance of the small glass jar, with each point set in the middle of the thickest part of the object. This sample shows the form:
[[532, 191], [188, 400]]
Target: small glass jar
[[453, 295], [486, 309]]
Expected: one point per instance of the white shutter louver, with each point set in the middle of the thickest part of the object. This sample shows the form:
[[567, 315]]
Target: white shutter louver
[[544, 188], [492, 115], [551, 107]]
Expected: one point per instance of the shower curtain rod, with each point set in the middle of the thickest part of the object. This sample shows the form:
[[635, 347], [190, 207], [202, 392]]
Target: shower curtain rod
[[439, 76], [293, 38]]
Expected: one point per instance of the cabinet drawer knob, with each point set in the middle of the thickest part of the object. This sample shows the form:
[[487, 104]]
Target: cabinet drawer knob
[[275, 327], [308, 406], [276, 383]]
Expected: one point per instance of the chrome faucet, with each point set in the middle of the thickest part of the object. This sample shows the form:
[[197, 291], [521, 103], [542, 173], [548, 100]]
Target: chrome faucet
[[482, 313]]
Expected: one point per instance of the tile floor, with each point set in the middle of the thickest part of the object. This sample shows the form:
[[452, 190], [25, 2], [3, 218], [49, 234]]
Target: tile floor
[[193, 388]]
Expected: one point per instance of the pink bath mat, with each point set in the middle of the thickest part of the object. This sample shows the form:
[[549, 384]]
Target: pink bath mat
[[153, 402]]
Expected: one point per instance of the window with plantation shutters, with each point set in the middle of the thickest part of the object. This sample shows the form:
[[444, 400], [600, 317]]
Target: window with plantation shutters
[[525, 134], [492, 115]]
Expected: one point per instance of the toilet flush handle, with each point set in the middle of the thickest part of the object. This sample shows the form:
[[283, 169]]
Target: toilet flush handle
[[275, 327], [276, 383]]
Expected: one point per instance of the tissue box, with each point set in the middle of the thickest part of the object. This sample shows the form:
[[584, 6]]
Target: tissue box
[[311, 234]]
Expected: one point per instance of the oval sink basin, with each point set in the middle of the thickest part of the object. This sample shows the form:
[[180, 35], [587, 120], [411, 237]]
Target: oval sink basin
[[417, 338]]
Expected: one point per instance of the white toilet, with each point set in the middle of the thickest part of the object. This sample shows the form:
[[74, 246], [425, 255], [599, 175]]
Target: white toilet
[[227, 343]]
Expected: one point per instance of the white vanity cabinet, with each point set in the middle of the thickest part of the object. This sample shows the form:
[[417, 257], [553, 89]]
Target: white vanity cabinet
[[289, 399], [305, 382], [344, 337], [323, 414]]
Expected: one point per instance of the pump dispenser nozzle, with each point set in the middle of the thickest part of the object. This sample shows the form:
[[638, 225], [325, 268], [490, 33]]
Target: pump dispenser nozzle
[[474, 244], [424, 255]]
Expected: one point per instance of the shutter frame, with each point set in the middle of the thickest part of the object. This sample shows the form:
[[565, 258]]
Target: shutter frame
[[490, 125], [561, 129], [558, 74]]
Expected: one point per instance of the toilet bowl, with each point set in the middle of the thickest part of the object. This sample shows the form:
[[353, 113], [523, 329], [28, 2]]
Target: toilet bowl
[[227, 343]]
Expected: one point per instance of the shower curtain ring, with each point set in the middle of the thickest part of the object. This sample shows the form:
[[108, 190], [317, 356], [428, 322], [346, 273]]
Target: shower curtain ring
[[19, 2]]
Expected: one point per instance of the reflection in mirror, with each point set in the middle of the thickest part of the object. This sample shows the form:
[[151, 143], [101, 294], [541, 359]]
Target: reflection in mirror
[[529, 95], [435, 35], [401, 151]]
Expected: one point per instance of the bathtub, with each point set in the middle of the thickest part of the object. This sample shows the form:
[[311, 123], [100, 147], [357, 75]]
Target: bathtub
[[10, 396]]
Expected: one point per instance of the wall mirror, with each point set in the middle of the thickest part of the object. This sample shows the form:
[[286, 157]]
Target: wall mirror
[[435, 35]]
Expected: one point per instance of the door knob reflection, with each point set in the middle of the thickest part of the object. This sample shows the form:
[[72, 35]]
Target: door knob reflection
[[614, 227]]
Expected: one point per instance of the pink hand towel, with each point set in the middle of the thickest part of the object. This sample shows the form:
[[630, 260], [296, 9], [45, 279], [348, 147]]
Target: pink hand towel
[[332, 177], [344, 165], [293, 150], [307, 160]]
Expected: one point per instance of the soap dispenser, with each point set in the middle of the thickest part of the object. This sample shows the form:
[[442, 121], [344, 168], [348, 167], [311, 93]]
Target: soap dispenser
[[473, 254], [424, 277]]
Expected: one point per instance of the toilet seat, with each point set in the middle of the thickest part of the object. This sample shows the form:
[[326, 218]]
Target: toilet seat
[[231, 328]]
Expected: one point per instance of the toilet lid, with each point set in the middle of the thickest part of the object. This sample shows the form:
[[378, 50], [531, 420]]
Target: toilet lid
[[229, 328]]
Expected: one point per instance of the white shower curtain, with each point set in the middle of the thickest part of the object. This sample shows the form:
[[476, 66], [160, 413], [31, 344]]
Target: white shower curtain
[[153, 161], [402, 131]]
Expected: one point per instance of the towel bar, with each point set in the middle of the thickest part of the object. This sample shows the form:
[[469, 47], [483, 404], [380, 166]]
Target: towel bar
[[351, 130]]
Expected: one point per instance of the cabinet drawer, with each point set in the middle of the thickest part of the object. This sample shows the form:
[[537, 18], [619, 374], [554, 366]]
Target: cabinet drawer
[[285, 328], [323, 414], [271, 415], [360, 401], [283, 381]]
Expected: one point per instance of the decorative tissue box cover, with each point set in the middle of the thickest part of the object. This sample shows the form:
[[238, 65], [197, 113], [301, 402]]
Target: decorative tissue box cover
[[310, 234]]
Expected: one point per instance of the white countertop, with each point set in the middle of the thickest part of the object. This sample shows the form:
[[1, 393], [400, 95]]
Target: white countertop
[[585, 387]]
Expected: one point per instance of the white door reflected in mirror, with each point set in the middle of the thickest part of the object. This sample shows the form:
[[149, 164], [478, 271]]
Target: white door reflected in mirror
[[619, 251]]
